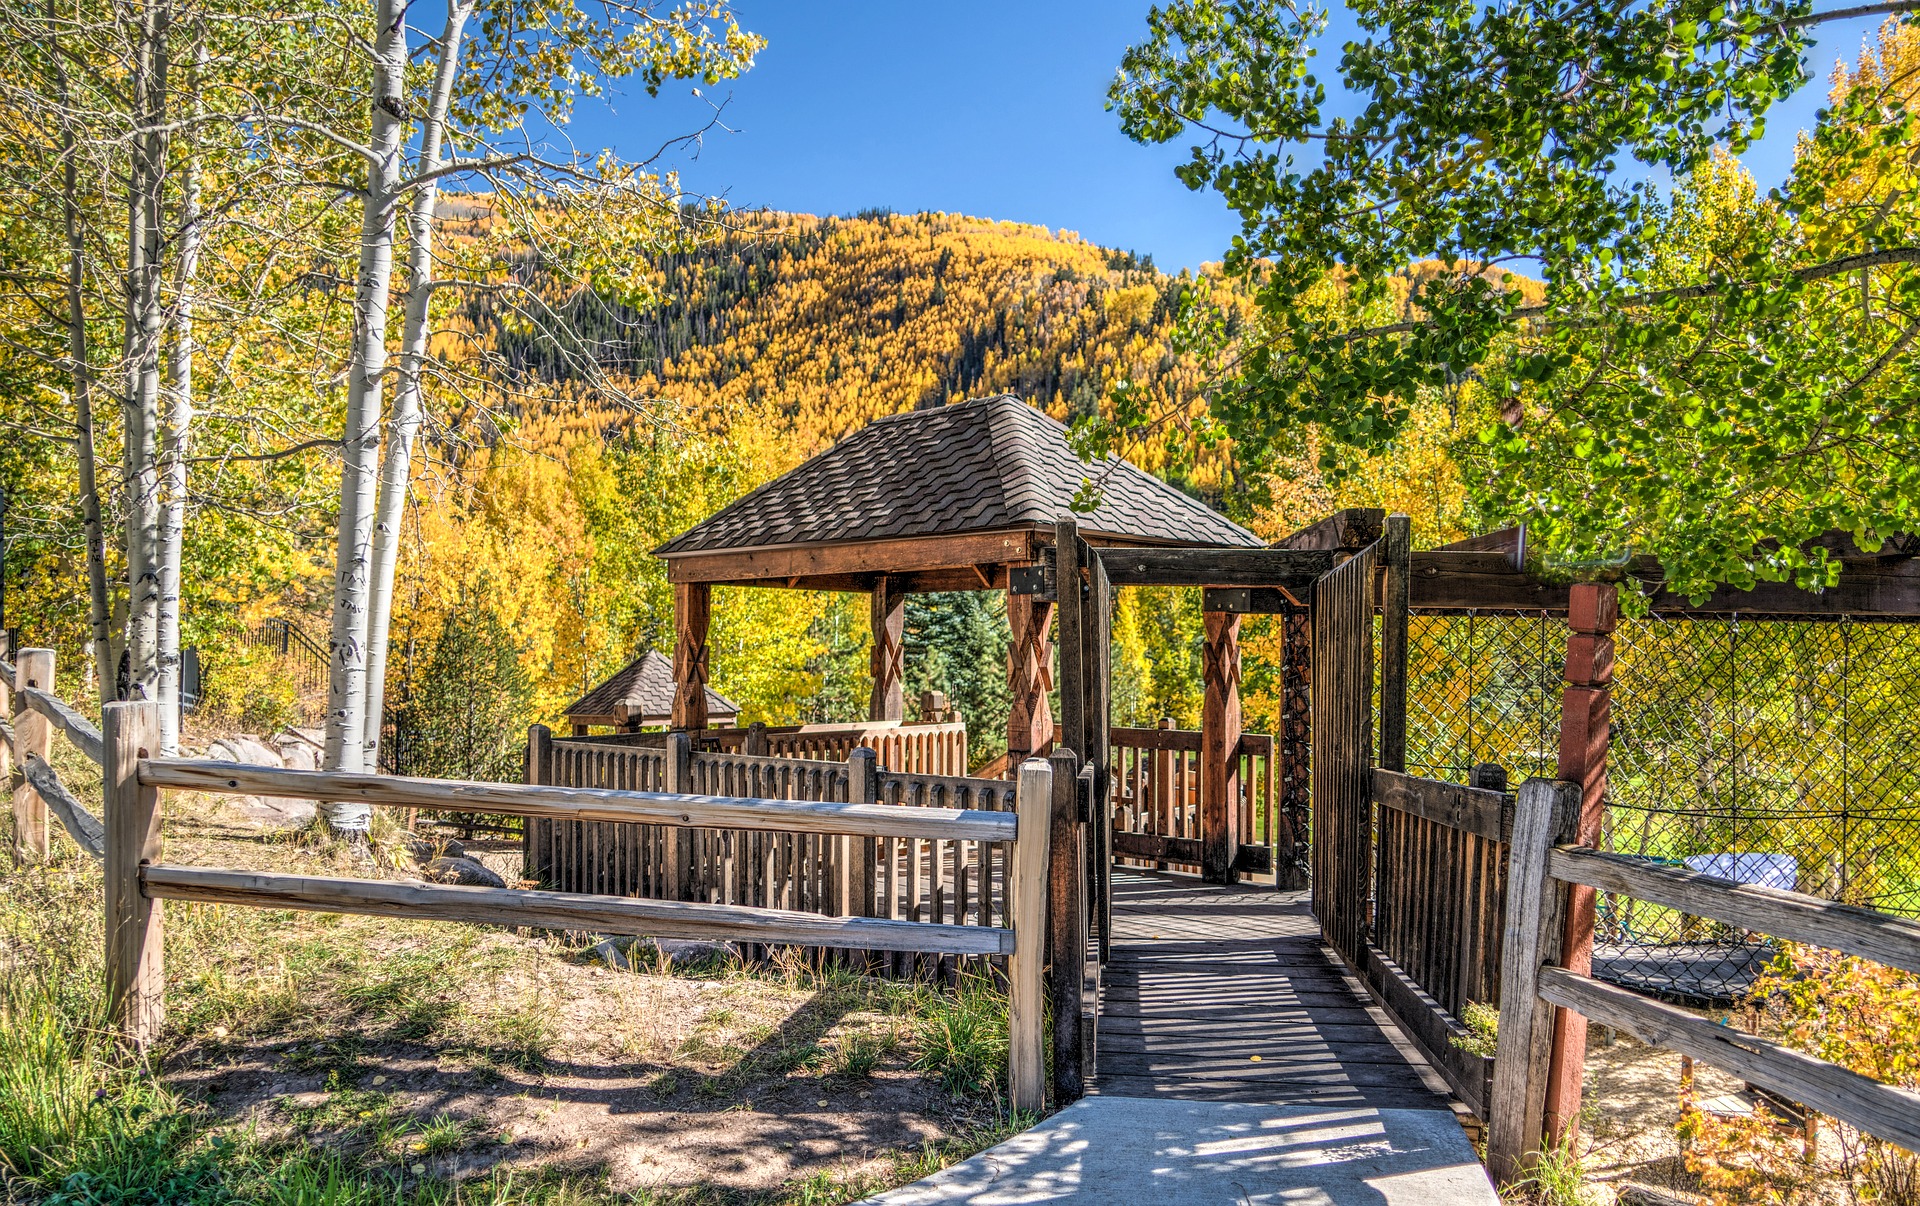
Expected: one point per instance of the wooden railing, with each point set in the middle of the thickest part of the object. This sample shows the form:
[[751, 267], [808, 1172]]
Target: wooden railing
[[950, 882], [1439, 907], [138, 880], [27, 696], [1533, 983], [931, 749], [1155, 775]]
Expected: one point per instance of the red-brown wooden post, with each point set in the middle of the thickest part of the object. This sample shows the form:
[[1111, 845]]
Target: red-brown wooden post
[[1220, 748], [1593, 611], [692, 602], [888, 612], [1029, 662]]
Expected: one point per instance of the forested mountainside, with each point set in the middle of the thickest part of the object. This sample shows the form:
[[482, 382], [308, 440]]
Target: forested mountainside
[[816, 326]]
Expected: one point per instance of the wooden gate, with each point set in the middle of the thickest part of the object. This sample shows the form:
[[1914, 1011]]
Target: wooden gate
[[1343, 751]]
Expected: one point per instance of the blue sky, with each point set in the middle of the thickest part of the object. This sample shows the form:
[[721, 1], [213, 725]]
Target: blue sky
[[991, 108]]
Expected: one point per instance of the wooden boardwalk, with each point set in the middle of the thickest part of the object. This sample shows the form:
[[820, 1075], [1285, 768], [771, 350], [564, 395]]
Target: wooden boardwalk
[[1226, 994]]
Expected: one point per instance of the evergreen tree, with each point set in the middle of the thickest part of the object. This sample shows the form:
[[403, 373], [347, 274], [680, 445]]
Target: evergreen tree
[[956, 643], [467, 715]]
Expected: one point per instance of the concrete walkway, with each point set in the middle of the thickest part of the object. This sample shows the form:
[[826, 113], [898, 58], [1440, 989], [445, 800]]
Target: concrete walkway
[[1167, 1152]]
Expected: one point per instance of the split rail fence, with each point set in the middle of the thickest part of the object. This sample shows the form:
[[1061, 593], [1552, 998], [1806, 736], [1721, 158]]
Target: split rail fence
[[1543, 871], [137, 879], [37, 714]]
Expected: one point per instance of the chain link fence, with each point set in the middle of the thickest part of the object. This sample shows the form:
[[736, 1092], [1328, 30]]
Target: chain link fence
[[1783, 752]]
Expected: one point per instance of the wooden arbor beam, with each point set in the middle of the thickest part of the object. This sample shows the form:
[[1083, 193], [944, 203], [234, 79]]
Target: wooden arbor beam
[[807, 565], [1220, 748], [888, 613], [692, 608], [1029, 676]]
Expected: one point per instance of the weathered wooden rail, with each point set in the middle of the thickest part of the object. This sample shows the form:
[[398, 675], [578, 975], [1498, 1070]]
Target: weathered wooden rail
[[1439, 908], [137, 879], [26, 694], [1544, 870], [1156, 804]]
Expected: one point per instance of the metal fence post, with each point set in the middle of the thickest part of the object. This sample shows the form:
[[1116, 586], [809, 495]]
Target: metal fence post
[[133, 921], [1026, 1054]]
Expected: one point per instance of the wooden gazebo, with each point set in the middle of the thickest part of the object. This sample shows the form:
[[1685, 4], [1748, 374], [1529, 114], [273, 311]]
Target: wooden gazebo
[[957, 497], [640, 695]]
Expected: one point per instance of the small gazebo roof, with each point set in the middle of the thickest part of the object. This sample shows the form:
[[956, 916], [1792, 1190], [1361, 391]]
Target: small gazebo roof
[[644, 687], [935, 493]]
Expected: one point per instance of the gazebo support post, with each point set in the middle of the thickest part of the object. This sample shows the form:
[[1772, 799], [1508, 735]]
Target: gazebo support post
[[889, 615], [1220, 748], [692, 605], [1030, 719], [1295, 751]]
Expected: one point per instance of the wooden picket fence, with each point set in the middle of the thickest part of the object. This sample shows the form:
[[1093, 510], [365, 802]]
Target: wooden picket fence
[[954, 881]]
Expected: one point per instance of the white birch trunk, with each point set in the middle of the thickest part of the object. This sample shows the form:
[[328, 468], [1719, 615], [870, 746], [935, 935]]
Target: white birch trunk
[[175, 431], [93, 534], [145, 327], [360, 445], [404, 424]]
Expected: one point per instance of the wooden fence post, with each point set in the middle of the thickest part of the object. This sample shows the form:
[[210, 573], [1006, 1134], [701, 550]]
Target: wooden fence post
[[536, 846], [1220, 730], [1393, 643], [680, 840], [133, 921], [1027, 883], [1586, 713], [1066, 925], [1536, 906], [856, 853], [33, 737]]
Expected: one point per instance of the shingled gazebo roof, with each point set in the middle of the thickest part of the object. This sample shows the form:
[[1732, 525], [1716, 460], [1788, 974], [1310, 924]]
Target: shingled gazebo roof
[[942, 496], [644, 687]]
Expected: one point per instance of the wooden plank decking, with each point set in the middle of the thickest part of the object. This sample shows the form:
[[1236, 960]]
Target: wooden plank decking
[[1203, 979]]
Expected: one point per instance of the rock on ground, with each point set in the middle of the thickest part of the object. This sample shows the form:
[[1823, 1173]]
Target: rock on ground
[[463, 871]]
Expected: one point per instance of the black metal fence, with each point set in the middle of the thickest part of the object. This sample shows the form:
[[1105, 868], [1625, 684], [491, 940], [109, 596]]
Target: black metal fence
[[1774, 751], [305, 659]]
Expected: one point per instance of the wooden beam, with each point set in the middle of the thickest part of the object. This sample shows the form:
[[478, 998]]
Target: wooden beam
[[1253, 600], [565, 911], [80, 824], [1545, 814], [1293, 570], [1351, 529], [887, 613], [1219, 747], [579, 803], [1157, 847], [1067, 926], [1885, 1111], [1446, 580], [136, 997], [692, 609], [1510, 543], [78, 729], [1586, 710], [895, 555], [1484, 814], [1027, 906], [1029, 664], [1396, 551], [1795, 916]]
